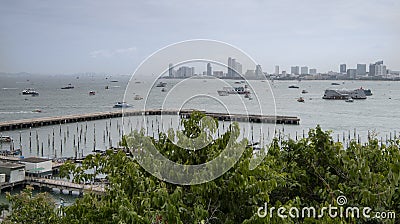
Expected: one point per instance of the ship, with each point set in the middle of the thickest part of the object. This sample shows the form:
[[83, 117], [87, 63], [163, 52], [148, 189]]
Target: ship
[[30, 92], [343, 94]]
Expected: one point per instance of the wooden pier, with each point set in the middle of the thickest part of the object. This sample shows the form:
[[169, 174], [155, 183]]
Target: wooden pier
[[45, 121]]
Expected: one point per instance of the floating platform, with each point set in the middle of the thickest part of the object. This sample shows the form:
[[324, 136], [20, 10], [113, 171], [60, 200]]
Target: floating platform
[[45, 121]]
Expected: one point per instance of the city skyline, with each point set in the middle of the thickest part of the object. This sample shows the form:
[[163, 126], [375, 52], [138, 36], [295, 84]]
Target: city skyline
[[99, 36]]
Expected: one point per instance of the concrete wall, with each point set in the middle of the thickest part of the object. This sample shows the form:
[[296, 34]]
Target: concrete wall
[[17, 175]]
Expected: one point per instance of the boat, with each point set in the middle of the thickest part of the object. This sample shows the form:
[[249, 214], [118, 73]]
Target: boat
[[37, 111], [138, 97], [30, 92], [163, 90], [121, 105], [70, 86], [335, 84], [237, 90], [161, 84], [343, 94], [5, 139], [300, 99], [293, 87], [247, 95], [349, 100], [222, 92], [367, 92], [304, 91], [114, 80], [237, 82], [92, 93], [106, 87]]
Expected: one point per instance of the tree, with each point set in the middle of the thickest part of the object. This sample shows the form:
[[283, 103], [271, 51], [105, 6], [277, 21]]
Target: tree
[[27, 208]]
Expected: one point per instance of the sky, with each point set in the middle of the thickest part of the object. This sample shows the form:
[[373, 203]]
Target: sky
[[116, 36]]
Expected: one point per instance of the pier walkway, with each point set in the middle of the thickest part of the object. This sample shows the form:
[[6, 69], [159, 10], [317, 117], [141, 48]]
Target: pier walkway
[[58, 184], [38, 122]]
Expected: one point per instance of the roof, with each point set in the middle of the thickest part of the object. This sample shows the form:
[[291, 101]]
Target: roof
[[35, 160], [11, 165]]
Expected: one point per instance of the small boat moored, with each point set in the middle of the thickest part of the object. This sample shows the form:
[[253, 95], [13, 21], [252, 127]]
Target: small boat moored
[[349, 100], [121, 105], [5, 139]]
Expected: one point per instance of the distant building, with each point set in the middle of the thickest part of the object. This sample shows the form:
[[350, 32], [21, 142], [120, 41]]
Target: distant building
[[304, 70], [258, 71], [13, 172], [343, 68], [313, 71], [171, 70], [276, 70], [185, 71], [351, 73], [250, 73], [218, 73], [361, 69], [209, 69], [294, 70], [234, 68], [377, 69]]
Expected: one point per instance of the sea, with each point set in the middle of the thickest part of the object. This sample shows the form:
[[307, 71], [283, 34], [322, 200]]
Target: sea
[[375, 116]]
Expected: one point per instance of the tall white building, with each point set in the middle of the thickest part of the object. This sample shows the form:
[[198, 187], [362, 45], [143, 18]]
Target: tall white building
[[313, 71], [304, 70], [276, 70], [294, 70]]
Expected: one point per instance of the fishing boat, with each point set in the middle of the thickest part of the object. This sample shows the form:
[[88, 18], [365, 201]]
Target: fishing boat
[[300, 99], [304, 91], [30, 92], [138, 97], [70, 86], [293, 87], [5, 139], [161, 84], [163, 90], [335, 84], [121, 105], [37, 111], [92, 93], [349, 100], [106, 87]]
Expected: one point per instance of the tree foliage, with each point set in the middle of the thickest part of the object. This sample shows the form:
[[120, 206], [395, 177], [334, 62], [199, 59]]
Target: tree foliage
[[313, 171]]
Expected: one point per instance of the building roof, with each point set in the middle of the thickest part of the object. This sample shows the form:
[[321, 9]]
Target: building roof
[[35, 160], [11, 165]]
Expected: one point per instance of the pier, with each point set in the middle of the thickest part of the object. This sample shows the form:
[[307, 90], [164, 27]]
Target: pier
[[62, 185], [45, 121]]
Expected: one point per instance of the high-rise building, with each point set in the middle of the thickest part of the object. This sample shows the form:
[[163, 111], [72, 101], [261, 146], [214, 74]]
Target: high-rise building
[[343, 68], [377, 69], [304, 70], [351, 73], [209, 69], [185, 71], [258, 71], [276, 70], [234, 68], [294, 70], [361, 69], [313, 71], [171, 70]]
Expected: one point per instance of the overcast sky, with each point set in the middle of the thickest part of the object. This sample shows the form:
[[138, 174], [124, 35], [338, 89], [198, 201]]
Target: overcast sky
[[115, 36]]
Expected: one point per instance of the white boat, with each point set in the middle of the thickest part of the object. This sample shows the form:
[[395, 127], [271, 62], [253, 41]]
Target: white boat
[[222, 92], [121, 105], [343, 94], [30, 92], [349, 100]]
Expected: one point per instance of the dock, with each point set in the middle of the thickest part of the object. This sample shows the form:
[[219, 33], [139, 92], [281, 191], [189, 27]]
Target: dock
[[45, 121], [62, 185]]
